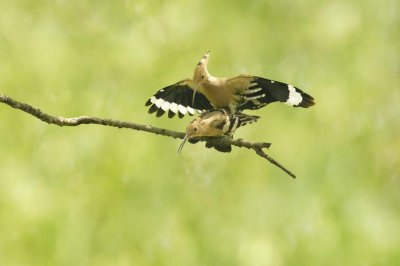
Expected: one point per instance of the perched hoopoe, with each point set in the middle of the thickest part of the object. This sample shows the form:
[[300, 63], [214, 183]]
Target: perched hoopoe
[[206, 92], [216, 123]]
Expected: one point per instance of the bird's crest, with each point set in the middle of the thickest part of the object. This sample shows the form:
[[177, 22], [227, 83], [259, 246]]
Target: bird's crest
[[204, 59]]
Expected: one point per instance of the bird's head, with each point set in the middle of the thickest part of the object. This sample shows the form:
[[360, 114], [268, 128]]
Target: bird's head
[[201, 74], [194, 129], [209, 124]]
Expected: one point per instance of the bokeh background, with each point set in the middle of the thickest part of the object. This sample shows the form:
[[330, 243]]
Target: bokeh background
[[93, 195]]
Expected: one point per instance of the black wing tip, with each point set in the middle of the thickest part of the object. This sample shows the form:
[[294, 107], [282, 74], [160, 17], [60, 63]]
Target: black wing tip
[[148, 102], [152, 109], [307, 101], [160, 112], [171, 114], [254, 119]]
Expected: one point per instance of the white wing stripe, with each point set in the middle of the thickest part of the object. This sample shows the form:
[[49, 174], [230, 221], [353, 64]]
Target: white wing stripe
[[235, 124], [190, 110], [182, 109], [153, 99], [227, 124], [159, 102], [250, 91], [165, 106], [254, 97], [173, 107]]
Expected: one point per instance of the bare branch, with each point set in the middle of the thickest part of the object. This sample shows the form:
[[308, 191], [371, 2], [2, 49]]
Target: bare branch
[[76, 121]]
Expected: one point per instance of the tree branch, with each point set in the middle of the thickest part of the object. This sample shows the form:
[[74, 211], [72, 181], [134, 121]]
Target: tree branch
[[76, 121]]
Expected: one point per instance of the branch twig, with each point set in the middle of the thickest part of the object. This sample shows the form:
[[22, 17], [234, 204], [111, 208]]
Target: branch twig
[[76, 121]]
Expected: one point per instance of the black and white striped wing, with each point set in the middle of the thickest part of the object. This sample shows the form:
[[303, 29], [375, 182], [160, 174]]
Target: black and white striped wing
[[261, 92], [177, 99], [244, 119], [239, 120]]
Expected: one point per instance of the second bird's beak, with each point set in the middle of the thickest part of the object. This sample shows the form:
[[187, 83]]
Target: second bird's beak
[[183, 143]]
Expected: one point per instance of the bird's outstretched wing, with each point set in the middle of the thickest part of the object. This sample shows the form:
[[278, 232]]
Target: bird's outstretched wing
[[177, 99], [259, 92]]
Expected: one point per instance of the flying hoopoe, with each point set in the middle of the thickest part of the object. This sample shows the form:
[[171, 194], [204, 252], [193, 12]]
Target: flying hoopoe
[[216, 123], [206, 92]]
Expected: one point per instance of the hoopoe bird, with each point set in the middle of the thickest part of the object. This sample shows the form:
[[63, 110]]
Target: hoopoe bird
[[216, 123], [205, 92]]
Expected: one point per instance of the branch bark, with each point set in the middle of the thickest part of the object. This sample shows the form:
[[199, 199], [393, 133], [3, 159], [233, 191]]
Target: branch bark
[[258, 147]]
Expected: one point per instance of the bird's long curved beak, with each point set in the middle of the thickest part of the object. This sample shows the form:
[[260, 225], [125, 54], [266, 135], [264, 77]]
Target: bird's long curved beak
[[183, 143], [194, 94]]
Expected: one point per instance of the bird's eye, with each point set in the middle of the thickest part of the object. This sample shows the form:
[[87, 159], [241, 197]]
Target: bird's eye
[[195, 129], [202, 77]]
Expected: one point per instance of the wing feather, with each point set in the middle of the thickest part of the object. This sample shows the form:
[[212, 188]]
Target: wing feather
[[256, 92], [177, 99]]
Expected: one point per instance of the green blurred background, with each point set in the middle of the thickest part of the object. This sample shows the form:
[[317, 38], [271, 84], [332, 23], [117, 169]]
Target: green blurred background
[[93, 195]]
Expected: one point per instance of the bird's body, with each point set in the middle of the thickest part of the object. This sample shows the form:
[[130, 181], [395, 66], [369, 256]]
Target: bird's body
[[206, 92], [217, 91], [216, 123]]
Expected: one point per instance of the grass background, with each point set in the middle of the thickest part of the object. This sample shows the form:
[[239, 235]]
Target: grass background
[[101, 196]]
